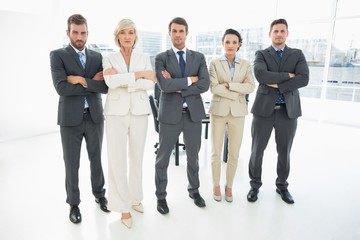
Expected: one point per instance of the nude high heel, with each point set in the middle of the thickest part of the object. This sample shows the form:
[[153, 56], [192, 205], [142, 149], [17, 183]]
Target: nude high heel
[[217, 197], [127, 221], [139, 208], [228, 198]]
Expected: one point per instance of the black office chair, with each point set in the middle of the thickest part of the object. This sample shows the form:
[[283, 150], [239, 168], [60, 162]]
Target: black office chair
[[155, 110]]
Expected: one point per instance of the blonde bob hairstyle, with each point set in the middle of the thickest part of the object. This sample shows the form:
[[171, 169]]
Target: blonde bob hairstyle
[[124, 23]]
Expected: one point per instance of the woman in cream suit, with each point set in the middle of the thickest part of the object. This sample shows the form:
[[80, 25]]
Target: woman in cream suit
[[129, 75], [230, 80]]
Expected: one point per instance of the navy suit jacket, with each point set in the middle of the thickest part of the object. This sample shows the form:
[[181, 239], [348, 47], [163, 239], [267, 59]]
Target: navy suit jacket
[[65, 62], [268, 69], [171, 101]]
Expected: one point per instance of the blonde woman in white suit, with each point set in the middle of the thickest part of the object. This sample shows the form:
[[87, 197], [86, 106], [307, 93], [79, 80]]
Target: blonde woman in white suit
[[129, 75], [231, 79]]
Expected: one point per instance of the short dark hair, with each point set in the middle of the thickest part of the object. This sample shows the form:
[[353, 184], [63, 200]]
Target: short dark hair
[[234, 32], [76, 19], [180, 21], [278, 21]]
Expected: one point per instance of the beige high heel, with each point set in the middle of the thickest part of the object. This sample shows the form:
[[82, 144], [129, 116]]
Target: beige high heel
[[217, 197], [228, 198], [127, 221], [139, 208]]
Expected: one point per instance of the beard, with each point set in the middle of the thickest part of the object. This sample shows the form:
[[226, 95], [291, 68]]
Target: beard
[[78, 44]]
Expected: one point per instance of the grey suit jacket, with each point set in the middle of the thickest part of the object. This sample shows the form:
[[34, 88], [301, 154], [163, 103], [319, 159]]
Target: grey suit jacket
[[65, 62], [268, 69], [171, 102]]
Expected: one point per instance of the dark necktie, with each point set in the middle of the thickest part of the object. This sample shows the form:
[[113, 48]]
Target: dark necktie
[[82, 59], [280, 97], [181, 63]]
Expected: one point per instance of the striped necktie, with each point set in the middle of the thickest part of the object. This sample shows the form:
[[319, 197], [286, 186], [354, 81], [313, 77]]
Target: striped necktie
[[82, 59]]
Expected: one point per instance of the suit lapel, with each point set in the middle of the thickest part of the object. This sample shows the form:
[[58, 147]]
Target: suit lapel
[[188, 62], [225, 66], [238, 72], [75, 56], [133, 60], [174, 62]]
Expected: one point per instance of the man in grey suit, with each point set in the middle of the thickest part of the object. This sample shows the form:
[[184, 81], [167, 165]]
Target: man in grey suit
[[78, 79], [182, 76], [280, 71]]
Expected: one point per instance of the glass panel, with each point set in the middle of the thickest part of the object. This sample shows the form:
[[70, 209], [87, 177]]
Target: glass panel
[[346, 8], [304, 10], [311, 38], [344, 72]]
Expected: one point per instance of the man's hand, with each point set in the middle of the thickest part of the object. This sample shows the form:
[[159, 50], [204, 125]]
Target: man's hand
[[194, 79], [273, 85], [76, 80], [166, 74], [99, 76], [291, 75]]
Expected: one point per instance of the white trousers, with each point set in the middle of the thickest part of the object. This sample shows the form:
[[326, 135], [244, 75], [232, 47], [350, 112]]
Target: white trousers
[[126, 137]]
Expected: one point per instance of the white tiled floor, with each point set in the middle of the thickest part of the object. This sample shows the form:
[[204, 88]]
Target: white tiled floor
[[324, 181]]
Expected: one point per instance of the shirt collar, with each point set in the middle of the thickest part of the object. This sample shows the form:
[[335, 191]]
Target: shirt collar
[[77, 51], [176, 50], [276, 49], [237, 58]]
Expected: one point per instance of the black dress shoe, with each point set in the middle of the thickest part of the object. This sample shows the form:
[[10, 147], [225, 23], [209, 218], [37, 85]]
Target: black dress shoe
[[285, 196], [103, 203], [253, 194], [198, 200], [75, 215], [162, 206]]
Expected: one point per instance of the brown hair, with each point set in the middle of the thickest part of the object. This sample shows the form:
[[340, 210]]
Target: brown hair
[[76, 19], [180, 21]]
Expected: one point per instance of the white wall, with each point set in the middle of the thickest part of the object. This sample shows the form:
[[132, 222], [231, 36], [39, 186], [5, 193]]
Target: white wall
[[28, 100]]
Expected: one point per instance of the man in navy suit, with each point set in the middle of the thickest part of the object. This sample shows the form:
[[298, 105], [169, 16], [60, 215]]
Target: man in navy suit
[[79, 82], [280, 71], [182, 76]]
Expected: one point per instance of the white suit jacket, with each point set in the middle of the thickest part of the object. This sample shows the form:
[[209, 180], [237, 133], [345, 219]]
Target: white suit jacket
[[125, 93]]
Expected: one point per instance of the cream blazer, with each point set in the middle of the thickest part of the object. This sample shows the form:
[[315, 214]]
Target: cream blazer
[[125, 93], [230, 101]]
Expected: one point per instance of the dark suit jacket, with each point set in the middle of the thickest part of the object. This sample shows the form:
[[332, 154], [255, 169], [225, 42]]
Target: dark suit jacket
[[268, 69], [171, 102], [65, 62]]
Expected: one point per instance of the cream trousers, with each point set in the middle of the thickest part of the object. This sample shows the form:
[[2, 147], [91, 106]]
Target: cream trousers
[[235, 128], [126, 136]]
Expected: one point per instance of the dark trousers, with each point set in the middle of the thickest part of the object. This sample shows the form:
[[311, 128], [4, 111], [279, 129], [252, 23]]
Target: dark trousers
[[71, 138], [168, 135], [261, 128]]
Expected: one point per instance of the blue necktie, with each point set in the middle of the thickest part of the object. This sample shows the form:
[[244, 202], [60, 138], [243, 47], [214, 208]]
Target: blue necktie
[[82, 59], [181, 63], [280, 97]]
